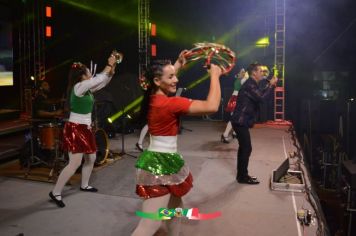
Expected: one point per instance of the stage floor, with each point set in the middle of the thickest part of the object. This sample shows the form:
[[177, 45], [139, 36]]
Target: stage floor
[[246, 209]]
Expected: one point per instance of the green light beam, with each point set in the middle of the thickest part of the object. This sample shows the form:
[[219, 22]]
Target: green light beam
[[133, 104]]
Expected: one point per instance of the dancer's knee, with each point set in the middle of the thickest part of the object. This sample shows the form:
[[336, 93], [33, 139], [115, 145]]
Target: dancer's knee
[[90, 158]]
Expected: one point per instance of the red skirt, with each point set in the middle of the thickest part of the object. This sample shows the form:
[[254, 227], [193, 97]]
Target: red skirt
[[178, 190], [230, 107], [78, 138]]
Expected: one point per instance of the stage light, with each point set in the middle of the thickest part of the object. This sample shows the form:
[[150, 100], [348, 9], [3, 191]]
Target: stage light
[[32, 78], [153, 29], [109, 120], [153, 50], [48, 31], [48, 11], [263, 42]]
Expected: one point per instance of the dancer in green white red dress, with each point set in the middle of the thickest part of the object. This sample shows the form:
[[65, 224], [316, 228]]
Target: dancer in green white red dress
[[78, 135], [161, 171]]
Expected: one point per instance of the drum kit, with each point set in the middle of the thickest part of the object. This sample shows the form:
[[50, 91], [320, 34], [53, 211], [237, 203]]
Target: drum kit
[[46, 137], [46, 146]]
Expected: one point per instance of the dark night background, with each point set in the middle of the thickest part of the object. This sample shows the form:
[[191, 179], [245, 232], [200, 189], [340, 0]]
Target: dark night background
[[319, 37], [320, 45]]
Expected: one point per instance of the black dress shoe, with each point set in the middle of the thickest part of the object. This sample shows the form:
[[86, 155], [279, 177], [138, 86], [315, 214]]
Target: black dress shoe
[[59, 203], [252, 177], [248, 180], [223, 139], [89, 189], [139, 147]]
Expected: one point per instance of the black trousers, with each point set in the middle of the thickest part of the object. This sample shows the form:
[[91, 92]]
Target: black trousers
[[244, 151]]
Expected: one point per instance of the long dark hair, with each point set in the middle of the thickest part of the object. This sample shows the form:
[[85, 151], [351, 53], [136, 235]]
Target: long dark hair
[[77, 70], [155, 69]]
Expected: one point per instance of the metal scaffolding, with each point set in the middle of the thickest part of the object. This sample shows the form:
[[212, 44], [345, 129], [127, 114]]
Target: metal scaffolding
[[143, 34], [279, 60], [31, 53]]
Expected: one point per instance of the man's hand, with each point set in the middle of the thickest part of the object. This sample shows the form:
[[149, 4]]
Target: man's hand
[[273, 81]]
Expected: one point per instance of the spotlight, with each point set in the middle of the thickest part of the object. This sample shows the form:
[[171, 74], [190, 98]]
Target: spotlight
[[262, 42], [32, 78], [109, 120]]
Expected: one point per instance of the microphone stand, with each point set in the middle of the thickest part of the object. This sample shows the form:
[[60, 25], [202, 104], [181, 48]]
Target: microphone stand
[[123, 126]]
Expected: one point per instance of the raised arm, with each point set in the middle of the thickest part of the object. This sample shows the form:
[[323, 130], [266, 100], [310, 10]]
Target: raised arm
[[99, 81], [180, 61], [212, 102], [258, 95]]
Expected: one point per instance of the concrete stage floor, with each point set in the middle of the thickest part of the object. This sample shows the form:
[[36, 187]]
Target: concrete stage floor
[[246, 209]]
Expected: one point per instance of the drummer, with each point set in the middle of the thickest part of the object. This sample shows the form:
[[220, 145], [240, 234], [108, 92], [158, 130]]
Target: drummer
[[42, 107]]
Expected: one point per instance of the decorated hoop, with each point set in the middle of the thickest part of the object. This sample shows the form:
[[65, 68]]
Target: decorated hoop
[[212, 53]]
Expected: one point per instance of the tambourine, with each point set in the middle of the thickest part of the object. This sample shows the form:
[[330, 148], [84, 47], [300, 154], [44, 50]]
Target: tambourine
[[118, 55], [212, 53]]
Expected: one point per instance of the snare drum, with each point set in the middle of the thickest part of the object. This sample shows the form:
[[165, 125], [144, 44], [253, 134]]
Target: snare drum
[[48, 135]]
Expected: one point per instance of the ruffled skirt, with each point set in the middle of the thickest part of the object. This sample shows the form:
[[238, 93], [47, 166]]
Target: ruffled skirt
[[160, 173], [78, 138]]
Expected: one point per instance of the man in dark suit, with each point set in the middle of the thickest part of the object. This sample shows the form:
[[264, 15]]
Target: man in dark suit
[[244, 117]]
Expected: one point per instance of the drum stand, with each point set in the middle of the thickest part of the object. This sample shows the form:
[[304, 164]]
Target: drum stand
[[57, 159], [33, 160], [123, 126]]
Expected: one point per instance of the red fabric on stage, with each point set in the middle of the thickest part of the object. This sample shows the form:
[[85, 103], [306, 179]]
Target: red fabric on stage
[[178, 190], [230, 107], [78, 138]]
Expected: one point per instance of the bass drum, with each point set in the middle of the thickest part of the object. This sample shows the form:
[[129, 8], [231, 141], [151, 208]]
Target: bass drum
[[102, 146]]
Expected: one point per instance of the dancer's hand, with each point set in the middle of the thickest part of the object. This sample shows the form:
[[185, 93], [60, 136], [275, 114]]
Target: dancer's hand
[[215, 71], [181, 59], [112, 59], [111, 63]]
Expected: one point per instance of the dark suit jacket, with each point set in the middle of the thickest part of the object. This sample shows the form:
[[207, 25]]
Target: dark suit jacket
[[249, 97]]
